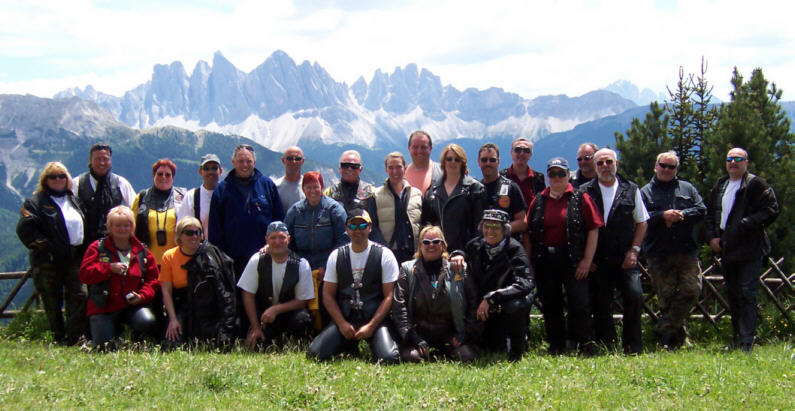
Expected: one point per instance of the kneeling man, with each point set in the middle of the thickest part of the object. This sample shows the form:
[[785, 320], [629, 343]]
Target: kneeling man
[[357, 293], [277, 286]]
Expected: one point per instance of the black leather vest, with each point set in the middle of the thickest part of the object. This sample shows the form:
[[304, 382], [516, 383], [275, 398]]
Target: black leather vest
[[576, 232], [615, 238], [369, 288], [264, 296], [94, 214]]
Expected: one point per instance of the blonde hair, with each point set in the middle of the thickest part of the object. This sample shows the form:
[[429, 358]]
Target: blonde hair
[[459, 151], [186, 222], [433, 229], [120, 212], [53, 167], [395, 154]]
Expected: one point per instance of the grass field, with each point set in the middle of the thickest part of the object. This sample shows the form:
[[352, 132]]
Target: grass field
[[37, 375]]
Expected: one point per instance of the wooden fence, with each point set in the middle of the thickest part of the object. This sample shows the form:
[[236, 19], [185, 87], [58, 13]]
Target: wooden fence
[[711, 307]]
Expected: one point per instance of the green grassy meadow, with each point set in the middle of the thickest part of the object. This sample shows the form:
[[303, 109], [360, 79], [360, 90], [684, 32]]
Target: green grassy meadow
[[38, 375]]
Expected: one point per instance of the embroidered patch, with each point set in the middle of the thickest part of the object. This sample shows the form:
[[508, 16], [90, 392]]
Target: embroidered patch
[[504, 201], [104, 259], [458, 278]]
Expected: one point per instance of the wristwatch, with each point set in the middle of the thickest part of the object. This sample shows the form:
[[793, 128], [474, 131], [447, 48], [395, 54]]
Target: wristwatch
[[636, 248]]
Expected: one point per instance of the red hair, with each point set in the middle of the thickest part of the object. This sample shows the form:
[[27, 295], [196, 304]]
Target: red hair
[[164, 162], [312, 177]]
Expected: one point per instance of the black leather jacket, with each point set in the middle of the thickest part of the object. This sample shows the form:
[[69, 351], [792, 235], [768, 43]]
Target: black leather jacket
[[755, 207], [42, 229], [659, 196], [504, 277], [459, 215]]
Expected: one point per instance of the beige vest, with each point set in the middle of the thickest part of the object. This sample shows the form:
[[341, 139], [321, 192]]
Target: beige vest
[[385, 207]]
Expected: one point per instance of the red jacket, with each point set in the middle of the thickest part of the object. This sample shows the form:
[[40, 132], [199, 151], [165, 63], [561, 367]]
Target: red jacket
[[93, 271]]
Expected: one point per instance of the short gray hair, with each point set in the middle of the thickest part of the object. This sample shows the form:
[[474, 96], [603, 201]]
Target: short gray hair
[[668, 154]]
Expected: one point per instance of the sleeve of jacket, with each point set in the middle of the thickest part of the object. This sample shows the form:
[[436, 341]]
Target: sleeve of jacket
[[289, 221], [522, 278], [215, 219], [764, 205], [697, 211], [276, 202], [713, 231], [655, 215], [151, 285], [338, 217], [28, 227], [226, 293], [375, 234], [93, 271], [473, 327], [477, 203], [428, 210], [400, 314]]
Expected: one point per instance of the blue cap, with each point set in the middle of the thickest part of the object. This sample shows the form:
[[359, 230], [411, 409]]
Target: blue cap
[[558, 162], [277, 226]]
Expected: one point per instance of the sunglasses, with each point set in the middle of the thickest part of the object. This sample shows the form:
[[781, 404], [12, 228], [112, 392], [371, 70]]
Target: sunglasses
[[520, 150], [360, 226], [736, 159], [667, 166], [586, 158], [352, 166], [191, 233], [453, 159], [435, 241], [56, 176], [162, 174], [210, 168], [557, 174], [603, 162], [488, 160], [294, 158]]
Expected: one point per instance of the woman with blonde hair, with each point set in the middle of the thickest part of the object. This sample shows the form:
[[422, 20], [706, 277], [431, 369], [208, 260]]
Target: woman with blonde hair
[[434, 306], [52, 227], [456, 202], [121, 275]]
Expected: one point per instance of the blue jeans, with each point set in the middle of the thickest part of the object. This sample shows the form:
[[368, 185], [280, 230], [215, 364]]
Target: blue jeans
[[742, 282]]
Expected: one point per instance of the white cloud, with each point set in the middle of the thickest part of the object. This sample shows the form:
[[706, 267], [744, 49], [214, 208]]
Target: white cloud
[[531, 48]]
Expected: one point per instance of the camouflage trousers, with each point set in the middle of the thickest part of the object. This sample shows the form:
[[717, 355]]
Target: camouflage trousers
[[55, 284], [677, 281]]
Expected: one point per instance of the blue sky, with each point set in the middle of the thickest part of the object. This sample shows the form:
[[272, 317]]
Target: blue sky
[[528, 47]]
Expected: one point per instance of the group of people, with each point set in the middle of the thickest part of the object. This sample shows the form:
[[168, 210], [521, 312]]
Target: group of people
[[431, 260]]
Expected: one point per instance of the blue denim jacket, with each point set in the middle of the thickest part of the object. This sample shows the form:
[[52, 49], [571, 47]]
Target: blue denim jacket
[[316, 231]]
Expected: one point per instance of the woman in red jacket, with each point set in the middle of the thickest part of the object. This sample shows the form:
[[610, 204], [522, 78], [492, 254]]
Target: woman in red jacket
[[121, 275]]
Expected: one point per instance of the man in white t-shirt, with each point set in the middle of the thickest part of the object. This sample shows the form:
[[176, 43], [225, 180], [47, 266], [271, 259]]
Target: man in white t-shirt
[[289, 185], [357, 293], [210, 171], [276, 289], [616, 259], [740, 206]]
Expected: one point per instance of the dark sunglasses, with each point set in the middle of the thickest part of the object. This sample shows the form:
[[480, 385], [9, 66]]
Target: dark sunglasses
[[191, 233], [557, 174], [519, 150], [360, 226], [603, 162], [667, 166], [586, 158], [55, 176], [162, 174], [435, 241], [210, 168], [736, 159], [488, 160], [294, 158], [453, 159], [352, 166]]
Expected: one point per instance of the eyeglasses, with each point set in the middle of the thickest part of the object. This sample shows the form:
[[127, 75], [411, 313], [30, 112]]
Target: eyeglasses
[[603, 162], [667, 166], [520, 150], [294, 158], [488, 160], [435, 241], [586, 158], [352, 166], [162, 174], [452, 159], [736, 159], [557, 174], [210, 168], [191, 233], [360, 226], [492, 226]]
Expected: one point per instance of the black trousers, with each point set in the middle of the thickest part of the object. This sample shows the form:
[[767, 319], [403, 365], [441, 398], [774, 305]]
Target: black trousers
[[108, 326], [330, 342], [297, 324], [553, 273], [603, 283], [240, 310], [742, 282]]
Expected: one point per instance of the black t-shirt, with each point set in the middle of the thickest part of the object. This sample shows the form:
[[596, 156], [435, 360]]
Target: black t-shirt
[[503, 194]]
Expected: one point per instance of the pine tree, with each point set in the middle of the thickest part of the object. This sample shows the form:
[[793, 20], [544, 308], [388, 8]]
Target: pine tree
[[644, 141], [705, 121], [681, 127]]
